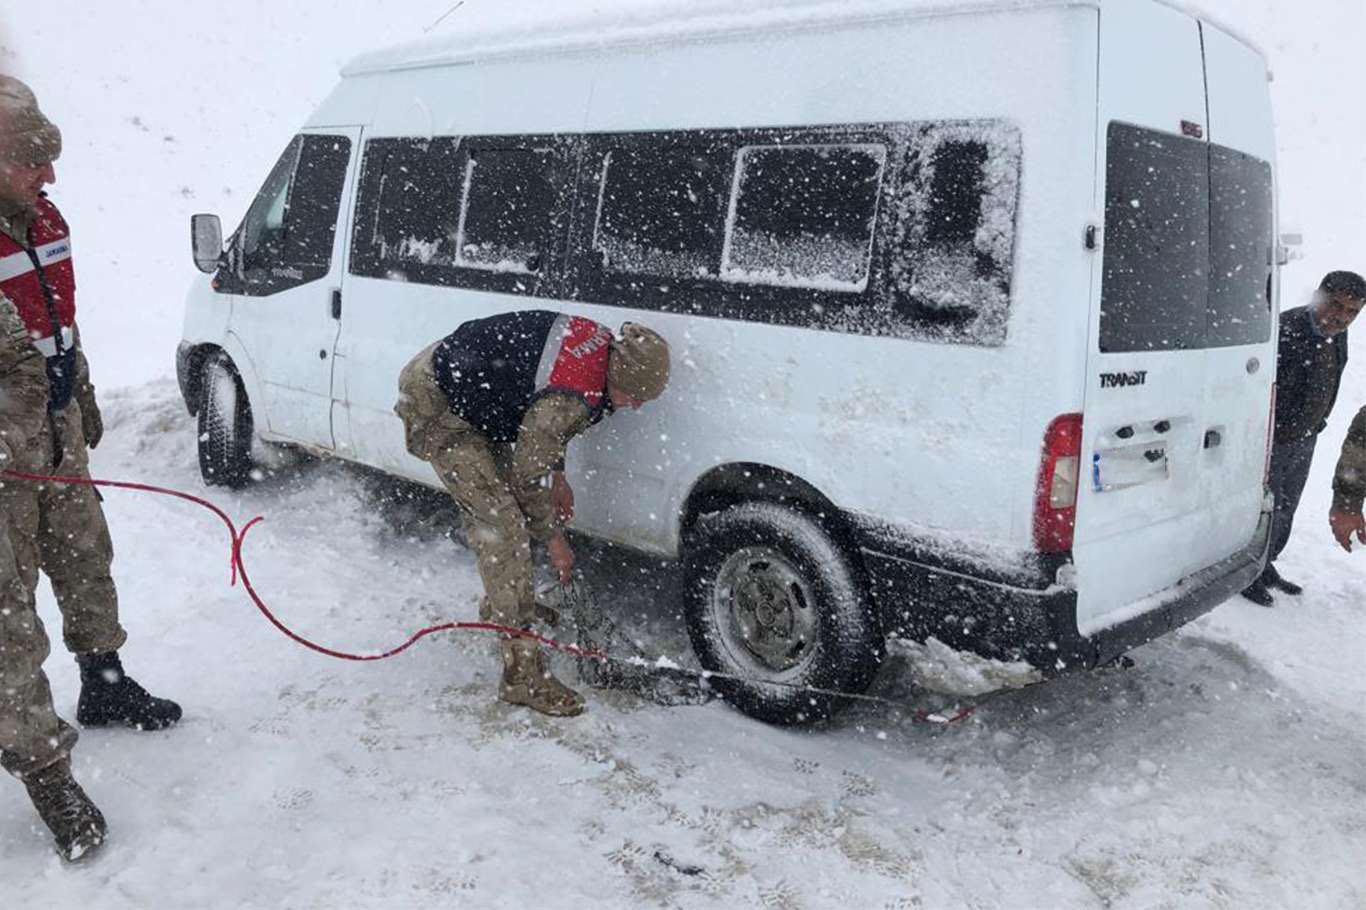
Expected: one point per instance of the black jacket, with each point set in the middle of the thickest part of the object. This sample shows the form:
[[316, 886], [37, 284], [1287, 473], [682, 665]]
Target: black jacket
[[492, 369], [1306, 387]]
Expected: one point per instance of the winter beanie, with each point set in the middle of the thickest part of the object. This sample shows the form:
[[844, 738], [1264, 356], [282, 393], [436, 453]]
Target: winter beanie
[[26, 136], [640, 362]]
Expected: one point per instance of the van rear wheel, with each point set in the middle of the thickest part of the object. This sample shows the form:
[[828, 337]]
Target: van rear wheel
[[770, 598], [225, 425]]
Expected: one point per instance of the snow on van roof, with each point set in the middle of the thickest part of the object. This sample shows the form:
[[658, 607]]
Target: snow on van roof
[[508, 31]]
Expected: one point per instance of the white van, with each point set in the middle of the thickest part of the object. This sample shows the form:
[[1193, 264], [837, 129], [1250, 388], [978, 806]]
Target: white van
[[973, 309]]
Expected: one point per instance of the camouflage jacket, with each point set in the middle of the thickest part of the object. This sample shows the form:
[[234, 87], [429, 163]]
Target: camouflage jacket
[[542, 436], [1349, 480], [23, 382], [546, 429]]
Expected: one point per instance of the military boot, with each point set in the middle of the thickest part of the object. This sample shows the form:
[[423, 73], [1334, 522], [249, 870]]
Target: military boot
[[76, 824], [528, 681], [109, 696]]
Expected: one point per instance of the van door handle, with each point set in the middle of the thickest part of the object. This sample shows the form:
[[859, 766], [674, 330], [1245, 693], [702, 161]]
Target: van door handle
[[336, 303], [1213, 439]]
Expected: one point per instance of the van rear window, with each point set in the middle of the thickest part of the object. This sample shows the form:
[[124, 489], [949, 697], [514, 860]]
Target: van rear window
[[1187, 244], [1241, 250], [1156, 272]]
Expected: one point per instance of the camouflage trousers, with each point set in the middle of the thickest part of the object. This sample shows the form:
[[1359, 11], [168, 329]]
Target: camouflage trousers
[[475, 473], [59, 530]]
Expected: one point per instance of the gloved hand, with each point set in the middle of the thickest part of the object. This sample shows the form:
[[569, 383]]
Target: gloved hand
[[1344, 525], [562, 557], [92, 425], [562, 496]]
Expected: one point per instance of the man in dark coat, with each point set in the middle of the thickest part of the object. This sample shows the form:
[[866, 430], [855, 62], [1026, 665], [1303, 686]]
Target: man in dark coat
[[1311, 357]]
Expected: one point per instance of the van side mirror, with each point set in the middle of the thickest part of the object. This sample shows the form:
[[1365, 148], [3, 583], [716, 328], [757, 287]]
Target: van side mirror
[[1288, 249], [206, 240]]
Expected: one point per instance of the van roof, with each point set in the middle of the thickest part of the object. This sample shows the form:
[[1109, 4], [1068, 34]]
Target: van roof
[[501, 35]]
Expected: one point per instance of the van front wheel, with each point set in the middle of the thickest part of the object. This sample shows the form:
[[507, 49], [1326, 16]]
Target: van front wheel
[[777, 606], [225, 425]]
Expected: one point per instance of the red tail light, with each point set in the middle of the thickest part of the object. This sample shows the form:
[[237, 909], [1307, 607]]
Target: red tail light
[[1055, 497], [1270, 438]]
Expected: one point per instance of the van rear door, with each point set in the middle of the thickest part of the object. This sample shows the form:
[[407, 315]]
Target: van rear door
[[1243, 294], [1175, 407]]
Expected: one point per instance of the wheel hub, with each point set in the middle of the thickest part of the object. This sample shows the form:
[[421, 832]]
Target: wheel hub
[[765, 608]]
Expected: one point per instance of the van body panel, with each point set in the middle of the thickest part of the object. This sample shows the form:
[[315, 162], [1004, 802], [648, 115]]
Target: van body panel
[[813, 430], [909, 473]]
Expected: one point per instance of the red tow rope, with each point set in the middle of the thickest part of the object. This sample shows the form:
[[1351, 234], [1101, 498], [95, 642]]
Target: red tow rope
[[238, 567]]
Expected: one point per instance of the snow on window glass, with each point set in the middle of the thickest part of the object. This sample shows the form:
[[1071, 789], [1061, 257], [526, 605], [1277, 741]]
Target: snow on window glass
[[1154, 283], [289, 229], [660, 212], [507, 211], [416, 215], [955, 233], [803, 216], [1242, 248]]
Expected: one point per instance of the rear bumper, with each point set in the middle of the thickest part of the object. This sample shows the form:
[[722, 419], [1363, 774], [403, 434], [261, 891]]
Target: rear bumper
[[1034, 618]]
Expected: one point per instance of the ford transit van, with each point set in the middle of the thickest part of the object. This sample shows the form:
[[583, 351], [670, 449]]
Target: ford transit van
[[973, 309]]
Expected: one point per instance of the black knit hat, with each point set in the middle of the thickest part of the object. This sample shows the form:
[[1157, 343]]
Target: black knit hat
[[1349, 283]]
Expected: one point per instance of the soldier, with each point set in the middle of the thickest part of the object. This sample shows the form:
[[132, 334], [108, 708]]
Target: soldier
[[1349, 486], [537, 379], [34, 741], [58, 528]]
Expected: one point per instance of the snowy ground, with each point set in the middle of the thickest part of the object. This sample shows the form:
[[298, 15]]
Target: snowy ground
[[1224, 770], [1227, 769]]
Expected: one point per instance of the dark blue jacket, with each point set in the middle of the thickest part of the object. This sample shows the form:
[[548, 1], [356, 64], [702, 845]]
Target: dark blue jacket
[[1306, 381]]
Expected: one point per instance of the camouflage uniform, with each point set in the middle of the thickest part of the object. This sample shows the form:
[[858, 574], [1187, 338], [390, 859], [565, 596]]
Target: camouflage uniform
[[60, 528], [538, 378], [1349, 480], [502, 493], [32, 736]]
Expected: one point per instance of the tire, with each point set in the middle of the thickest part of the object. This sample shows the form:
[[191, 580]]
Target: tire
[[225, 425], [770, 597]]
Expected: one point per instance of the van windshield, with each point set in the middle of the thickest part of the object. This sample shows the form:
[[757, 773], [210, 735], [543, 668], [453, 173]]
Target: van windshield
[[1188, 244]]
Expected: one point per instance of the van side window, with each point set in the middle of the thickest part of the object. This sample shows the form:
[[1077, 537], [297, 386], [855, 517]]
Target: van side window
[[954, 240], [479, 212], [419, 198], [803, 215], [507, 210], [661, 210], [894, 229], [287, 235]]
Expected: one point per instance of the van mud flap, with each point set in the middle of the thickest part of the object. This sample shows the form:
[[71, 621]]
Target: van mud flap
[[626, 667]]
